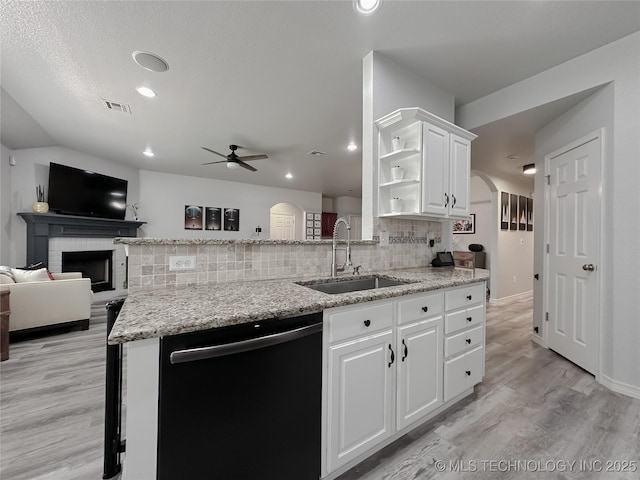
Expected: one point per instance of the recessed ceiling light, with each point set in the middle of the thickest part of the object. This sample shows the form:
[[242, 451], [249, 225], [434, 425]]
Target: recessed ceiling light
[[352, 146], [289, 175], [512, 157], [150, 61], [317, 153], [529, 169], [146, 92], [366, 7], [148, 153]]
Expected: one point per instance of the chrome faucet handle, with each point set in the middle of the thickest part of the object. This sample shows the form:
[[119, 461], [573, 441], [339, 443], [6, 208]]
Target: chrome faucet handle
[[356, 270]]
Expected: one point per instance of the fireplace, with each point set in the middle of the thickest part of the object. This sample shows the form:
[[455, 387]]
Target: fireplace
[[95, 264]]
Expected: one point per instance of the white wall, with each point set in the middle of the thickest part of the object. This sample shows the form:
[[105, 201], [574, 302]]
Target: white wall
[[388, 86], [164, 197], [5, 206], [616, 62], [32, 168]]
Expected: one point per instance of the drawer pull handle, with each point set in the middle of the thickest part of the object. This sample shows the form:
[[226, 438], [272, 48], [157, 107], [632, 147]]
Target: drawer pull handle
[[468, 340], [468, 297], [468, 372], [367, 323], [406, 350], [393, 357], [425, 309], [469, 319]]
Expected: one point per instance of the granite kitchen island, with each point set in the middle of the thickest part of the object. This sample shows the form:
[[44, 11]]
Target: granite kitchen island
[[148, 317]]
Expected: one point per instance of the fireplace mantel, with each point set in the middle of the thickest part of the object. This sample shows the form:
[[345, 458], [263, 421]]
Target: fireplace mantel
[[42, 226]]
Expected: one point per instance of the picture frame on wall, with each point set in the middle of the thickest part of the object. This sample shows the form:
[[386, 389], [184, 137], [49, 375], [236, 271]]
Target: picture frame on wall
[[513, 212], [192, 217], [530, 214], [522, 213], [504, 211], [231, 219], [213, 218], [467, 225]]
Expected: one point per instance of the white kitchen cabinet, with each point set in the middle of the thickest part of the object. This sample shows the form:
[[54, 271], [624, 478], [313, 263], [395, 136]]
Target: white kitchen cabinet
[[391, 364], [433, 157], [361, 392], [464, 323], [419, 347]]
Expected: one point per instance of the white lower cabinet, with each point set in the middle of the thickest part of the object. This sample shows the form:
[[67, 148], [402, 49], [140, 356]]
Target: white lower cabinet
[[392, 363], [361, 396], [419, 370]]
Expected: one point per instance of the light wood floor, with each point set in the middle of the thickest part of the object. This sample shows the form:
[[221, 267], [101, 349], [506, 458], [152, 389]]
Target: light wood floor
[[532, 405]]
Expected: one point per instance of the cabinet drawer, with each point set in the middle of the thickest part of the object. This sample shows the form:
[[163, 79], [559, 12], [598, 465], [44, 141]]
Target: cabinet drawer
[[463, 372], [461, 297], [420, 306], [463, 341], [463, 318], [358, 321]]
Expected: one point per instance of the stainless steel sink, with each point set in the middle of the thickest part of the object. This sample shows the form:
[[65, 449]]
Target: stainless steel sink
[[345, 286]]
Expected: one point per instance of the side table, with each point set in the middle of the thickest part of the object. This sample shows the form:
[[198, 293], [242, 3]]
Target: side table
[[4, 324]]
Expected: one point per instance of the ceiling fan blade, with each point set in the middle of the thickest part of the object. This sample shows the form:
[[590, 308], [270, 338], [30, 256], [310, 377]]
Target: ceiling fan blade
[[253, 157], [213, 151], [211, 163], [247, 166]]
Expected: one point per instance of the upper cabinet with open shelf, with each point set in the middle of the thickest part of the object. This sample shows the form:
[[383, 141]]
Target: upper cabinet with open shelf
[[423, 166]]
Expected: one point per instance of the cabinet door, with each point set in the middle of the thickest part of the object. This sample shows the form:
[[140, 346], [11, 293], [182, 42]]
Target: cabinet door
[[463, 372], [419, 370], [361, 396], [459, 176], [435, 170]]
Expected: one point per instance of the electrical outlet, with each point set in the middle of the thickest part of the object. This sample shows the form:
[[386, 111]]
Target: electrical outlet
[[185, 262], [384, 238]]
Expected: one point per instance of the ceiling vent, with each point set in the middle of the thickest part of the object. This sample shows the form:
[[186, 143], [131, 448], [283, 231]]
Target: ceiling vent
[[117, 106], [317, 153]]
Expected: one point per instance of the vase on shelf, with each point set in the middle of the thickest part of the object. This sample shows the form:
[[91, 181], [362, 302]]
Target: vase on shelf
[[397, 143], [397, 173], [396, 205], [40, 207]]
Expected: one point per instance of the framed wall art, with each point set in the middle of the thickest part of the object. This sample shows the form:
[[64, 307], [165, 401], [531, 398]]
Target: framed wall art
[[467, 225], [213, 218], [504, 211], [522, 213], [513, 212], [231, 219], [530, 214], [192, 217]]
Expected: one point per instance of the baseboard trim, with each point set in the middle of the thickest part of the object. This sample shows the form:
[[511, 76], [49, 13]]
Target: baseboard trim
[[503, 300], [619, 387], [535, 338]]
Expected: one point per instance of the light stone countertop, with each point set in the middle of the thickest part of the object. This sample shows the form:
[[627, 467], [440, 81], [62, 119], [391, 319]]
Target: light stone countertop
[[172, 311], [218, 241]]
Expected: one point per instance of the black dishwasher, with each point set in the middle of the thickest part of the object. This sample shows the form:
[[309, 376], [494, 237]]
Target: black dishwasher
[[242, 402]]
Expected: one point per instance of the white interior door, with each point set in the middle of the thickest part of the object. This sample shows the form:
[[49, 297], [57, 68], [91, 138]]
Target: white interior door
[[574, 246], [283, 226]]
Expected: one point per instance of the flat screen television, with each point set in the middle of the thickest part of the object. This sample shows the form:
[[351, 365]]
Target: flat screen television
[[74, 191]]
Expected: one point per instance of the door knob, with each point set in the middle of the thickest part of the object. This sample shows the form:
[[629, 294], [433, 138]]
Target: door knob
[[588, 267]]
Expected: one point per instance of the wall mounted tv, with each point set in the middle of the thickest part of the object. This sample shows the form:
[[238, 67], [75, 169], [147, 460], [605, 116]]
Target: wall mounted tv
[[74, 191]]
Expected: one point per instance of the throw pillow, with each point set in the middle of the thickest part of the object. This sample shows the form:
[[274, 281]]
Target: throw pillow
[[21, 276], [6, 280], [7, 273]]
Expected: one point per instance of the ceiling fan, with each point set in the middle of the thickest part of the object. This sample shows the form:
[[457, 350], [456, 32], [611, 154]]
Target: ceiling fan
[[233, 160]]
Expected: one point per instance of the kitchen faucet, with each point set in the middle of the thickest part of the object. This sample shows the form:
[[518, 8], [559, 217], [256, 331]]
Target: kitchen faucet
[[334, 268]]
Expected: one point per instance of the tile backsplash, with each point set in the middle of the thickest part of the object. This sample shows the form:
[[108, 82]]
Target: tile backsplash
[[239, 261]]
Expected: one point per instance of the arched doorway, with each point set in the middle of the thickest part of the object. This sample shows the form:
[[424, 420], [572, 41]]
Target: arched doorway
[[286, 222]]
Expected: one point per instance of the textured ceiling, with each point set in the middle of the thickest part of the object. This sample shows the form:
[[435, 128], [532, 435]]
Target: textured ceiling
[[280, 77]]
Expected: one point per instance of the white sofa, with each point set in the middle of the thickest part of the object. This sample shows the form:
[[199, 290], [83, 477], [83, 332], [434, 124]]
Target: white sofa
[[39, 304]]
